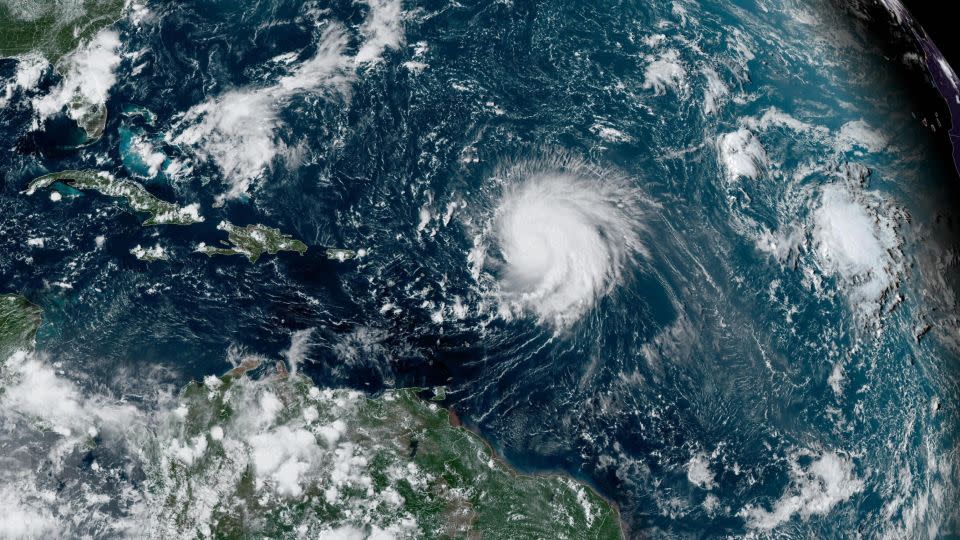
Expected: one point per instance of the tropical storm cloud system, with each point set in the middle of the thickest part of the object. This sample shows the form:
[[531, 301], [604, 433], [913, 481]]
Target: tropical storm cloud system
[[498, 269]]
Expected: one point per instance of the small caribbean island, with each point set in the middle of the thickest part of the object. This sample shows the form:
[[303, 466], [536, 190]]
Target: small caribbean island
[[262, 452]]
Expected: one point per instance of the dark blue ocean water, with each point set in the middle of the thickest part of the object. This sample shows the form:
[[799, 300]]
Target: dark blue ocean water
[[707, 346]]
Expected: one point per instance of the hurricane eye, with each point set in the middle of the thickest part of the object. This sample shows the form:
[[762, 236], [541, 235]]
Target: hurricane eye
[[565, 233]]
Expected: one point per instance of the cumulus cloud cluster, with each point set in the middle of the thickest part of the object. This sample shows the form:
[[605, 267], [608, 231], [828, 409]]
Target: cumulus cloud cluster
[[814, 490], [238, 130]]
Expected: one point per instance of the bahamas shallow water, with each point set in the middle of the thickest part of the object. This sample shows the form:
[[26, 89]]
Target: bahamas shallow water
[[758, 227]]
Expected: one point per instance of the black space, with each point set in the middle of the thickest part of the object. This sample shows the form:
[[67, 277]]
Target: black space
[[940, 21]]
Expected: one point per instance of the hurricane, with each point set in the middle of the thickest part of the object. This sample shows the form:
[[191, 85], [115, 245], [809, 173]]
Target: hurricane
[[564, 235], [513, 269]]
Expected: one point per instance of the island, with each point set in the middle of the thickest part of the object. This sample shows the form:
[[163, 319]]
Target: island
[[137, 112], [252, 241], [341, 254], [150, 254], [137, 197], [19, 320]]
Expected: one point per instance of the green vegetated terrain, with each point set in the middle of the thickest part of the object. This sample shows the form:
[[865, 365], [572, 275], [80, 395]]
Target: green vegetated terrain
[[140, 200], [52, 28], [274, 456], [291, 459], [252, 241], [19, 320]]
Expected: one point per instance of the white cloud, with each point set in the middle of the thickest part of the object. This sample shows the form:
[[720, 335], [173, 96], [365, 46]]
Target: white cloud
[[214, 446], [88, 75], [283, 456], [846, 236], [343, 533], [30, 68], [774, 117], [715, 91], [698, 471], [189, 451], [829, 480], [381, 30], [859, 134], [609, 134], [151, 158], [742, 155], [566, 236], [664, 72], [22, 515], [155, 252], [300, 343], [237, 130], [855, 240], [32, 390]]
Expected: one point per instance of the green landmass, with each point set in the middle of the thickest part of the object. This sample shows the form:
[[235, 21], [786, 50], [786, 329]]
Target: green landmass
[[252, 241], [291, 460], [236, 457], [137, 197], [91, 117], [52, 28], [19, 320], [340, 254]]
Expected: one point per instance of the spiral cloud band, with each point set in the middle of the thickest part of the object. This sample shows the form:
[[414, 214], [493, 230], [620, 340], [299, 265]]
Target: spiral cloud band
[[565, 234]]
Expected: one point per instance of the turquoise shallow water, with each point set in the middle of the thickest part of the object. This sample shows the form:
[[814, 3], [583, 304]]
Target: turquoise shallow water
[[765, 207]]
